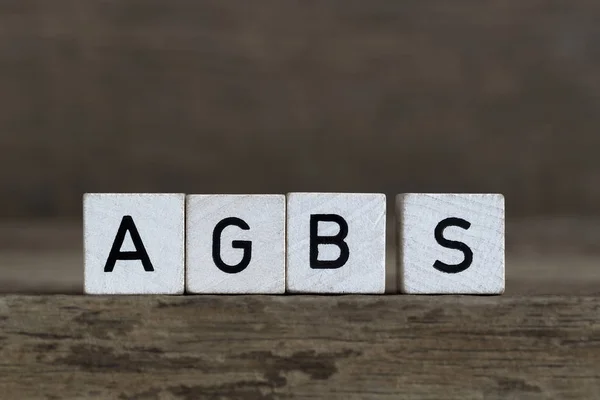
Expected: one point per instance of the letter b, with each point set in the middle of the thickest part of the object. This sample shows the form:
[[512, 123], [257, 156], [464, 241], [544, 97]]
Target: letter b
[[337, 240]]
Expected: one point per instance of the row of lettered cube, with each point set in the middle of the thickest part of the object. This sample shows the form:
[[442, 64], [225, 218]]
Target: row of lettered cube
[[327, 243]]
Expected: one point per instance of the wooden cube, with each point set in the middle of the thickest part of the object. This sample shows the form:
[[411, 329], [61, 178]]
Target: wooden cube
[[450, 243], [235, 244], [336, 243], [133, 243]]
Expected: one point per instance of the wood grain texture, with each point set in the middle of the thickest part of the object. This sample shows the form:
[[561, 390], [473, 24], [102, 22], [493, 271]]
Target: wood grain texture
[[181, 95], [522, 345], [276, 347]]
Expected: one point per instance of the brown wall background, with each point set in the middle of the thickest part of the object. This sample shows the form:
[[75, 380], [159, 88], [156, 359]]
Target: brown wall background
[[276, 96]]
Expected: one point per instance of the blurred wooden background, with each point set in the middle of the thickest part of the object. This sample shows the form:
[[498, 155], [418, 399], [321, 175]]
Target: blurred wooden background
[[276, 96]]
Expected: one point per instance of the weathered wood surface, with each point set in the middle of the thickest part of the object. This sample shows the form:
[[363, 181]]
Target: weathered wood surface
[[269, 347], [277, 96], [541, 340]]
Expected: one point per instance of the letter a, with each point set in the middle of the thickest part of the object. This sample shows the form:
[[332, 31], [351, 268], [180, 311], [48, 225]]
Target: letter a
[[140, 252]]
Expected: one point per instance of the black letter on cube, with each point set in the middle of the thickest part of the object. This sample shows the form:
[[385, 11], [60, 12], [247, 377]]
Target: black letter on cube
[[452, 244], [236, 244], [140, 252], [338, 240]]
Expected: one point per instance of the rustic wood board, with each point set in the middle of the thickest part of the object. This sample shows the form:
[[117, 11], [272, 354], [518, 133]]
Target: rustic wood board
[[376, 347]]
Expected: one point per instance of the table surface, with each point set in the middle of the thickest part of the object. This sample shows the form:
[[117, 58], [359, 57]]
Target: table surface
[[539, 340]]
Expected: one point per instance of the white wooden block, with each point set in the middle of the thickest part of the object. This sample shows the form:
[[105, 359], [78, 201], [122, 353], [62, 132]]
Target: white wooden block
[[336, 243], [134, 243], [451, 243], [235, 244]]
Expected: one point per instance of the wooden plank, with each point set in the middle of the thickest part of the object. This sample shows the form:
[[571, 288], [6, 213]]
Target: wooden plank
[[268, 347]]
